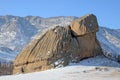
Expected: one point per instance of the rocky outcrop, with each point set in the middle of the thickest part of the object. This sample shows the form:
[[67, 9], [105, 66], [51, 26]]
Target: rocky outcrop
[[85, 25], [59, 46]]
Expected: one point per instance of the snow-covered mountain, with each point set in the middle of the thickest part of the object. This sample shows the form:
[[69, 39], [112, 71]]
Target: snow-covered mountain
[[6, 54], [16, 32], [41, 23], [110, 42]]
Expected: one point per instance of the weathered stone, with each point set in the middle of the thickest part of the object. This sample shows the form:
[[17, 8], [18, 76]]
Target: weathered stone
[[57, 47], [84, 25]]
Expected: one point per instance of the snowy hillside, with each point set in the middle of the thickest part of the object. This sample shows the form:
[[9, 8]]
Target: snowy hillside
[[92, 68], [6, 54], [42, 23], [15, 32], [110, 42]]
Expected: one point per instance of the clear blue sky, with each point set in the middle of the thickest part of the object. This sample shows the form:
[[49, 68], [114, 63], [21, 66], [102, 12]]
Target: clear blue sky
[[107, 11]]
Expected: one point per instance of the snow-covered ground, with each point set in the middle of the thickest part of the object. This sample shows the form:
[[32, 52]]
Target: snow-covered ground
[[97, 68], [70, 73]]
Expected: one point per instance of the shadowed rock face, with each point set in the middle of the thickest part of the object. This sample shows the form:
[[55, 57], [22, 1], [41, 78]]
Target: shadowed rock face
[[59, 46]]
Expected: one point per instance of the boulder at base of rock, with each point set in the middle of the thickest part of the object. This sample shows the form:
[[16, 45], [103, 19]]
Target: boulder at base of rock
[[57, 47]]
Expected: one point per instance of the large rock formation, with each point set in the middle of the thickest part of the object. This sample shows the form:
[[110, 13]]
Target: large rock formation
[[59, 46]]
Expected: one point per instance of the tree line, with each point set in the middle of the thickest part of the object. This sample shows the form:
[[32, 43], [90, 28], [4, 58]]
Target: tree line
[[6, 68]]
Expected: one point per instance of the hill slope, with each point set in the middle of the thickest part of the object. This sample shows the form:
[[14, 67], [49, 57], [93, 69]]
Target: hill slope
[[110, 42]]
